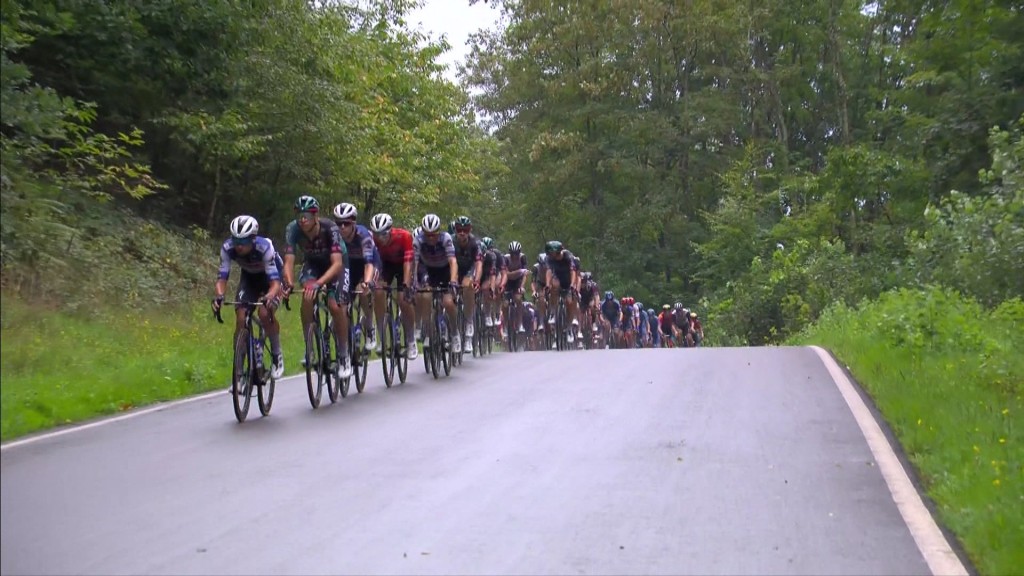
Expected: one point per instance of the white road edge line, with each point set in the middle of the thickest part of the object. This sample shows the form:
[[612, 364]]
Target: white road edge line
[[112, 419], [930, 540]]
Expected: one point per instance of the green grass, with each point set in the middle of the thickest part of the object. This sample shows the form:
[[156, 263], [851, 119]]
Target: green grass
[[60, 368], [949, 378]]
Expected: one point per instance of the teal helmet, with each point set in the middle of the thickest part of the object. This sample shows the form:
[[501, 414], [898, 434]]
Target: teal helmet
[[307, 204], [553, 246], [488, 242]]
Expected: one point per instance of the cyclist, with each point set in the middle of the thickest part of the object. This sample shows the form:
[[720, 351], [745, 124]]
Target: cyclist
[[394, 246], [669, 330], [561, 274], [589, 291], [435, 251], [611, 316], [260, 278], [629, 320], [696, 329], [654, 327], [493, 280], [538, 274], [363, 263], [643, 325], [469, 258], [516, 274], [325, 265]]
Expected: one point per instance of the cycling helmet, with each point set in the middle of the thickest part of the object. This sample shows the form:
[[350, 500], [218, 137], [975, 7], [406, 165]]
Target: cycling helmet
[[488, 242], [345, 211], [553, 246], [678, 306], [307, 204], [609, 295], [628, 300], [451, 227], [640, 305], [463, 222], [650, 311], [431, 223], [381, 223], [576, 261], [693, 314], [417, 231], [515, 247], [244, 226], [586, 276]]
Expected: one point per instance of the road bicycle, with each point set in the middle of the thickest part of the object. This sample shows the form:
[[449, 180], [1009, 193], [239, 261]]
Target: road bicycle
[[248, 369]]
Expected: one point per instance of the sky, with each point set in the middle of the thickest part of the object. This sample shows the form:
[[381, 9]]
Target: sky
[[456, 19]]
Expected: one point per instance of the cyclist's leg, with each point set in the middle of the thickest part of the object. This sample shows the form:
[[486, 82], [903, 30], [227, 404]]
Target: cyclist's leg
[[380, 298]]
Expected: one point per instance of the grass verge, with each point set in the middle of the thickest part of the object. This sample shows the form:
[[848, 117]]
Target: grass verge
[[59, 368], [948, 376]]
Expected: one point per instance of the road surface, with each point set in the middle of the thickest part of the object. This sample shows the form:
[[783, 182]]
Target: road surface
[[708, 461]]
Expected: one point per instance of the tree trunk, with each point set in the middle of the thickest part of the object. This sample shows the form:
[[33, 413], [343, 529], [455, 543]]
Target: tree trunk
[[216, 197]]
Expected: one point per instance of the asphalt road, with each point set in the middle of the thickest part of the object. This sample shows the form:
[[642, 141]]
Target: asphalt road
[[709, 461]]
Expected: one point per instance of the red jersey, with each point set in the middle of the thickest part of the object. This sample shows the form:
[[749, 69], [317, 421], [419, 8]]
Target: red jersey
[[399, 251]]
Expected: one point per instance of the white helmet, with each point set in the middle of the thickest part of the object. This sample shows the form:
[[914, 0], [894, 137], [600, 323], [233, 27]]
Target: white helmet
[[381, 223], [345, 211], [244, 226], [431, 223], [515, 247], [417, 231]]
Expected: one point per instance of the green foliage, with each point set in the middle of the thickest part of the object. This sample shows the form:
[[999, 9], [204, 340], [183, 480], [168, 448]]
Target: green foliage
[[976, 243], [949, 378]]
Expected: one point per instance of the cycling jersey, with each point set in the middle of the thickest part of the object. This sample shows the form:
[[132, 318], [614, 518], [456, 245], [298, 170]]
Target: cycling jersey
[[434, 255], [361, 247], [610, 310], [468, 254], [561, 268], [398, 250], [494, 263], [262, 259], [317, 250], [538, 274]]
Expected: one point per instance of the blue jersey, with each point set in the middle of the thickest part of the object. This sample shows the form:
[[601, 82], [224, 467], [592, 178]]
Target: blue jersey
[[362, 248]]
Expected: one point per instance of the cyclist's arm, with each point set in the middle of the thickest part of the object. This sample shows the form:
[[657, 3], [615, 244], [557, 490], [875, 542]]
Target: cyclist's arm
[[453, 266], [289, 269], [478, 266], [222, 275]]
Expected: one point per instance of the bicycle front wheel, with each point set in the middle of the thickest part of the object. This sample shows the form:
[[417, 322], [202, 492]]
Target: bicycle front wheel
[[242, 375], [332, 352], [314, 365]]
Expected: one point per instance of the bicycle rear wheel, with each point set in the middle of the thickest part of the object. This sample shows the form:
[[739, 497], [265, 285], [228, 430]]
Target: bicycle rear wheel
[[447, 351], [388, 349], [336, 386], [436, 345], [265, 390], [314, 365], [357, 343], [242, 375]]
